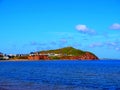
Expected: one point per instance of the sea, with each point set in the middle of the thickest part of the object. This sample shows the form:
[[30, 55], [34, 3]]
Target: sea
[[60, 75]]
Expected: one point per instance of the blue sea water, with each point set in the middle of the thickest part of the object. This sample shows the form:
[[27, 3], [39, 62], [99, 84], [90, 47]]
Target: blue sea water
[[60, 75]]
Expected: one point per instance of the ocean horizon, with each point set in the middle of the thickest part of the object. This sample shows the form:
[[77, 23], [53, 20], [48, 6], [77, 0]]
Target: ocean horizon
[[60, 75]]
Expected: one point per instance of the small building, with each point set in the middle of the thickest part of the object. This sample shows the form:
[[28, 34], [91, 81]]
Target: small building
[[38, 57], [3, 56]]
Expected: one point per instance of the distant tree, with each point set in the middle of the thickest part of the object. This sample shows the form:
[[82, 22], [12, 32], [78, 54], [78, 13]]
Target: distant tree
[[1, 54]]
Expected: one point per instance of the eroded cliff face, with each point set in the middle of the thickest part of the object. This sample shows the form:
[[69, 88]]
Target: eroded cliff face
[[89, 56], [86, 56]]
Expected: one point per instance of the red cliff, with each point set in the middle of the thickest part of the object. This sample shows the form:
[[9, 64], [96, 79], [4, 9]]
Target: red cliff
[[86, 56], [38, 57]]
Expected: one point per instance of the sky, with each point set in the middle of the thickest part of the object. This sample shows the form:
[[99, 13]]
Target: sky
[[33, 25]]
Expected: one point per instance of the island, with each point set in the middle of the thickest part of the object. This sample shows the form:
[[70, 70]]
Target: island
[[66, 53]]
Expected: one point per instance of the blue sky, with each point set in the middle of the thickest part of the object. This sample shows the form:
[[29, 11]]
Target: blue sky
[[33, 25]]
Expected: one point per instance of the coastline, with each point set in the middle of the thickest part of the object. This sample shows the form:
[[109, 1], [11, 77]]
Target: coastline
[[20, 60], [16, 60]]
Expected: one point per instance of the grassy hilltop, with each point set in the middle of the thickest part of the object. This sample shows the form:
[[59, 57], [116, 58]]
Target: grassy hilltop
[[65, 51], [69, 53]]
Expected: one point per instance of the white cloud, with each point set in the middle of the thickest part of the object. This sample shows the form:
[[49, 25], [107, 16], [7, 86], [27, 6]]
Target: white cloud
[[117, 48], [115, 26], [37, 44], [97, 44], [111, 44], [84, 29], [63, 40]]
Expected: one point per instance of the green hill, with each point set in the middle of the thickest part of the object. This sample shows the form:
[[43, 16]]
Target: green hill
[[68, 53], [65, 51]]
